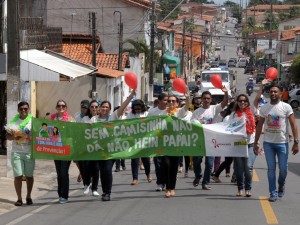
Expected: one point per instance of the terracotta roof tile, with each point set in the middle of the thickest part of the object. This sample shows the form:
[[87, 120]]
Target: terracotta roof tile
[[83, 53], [110, 72], [275, 7]]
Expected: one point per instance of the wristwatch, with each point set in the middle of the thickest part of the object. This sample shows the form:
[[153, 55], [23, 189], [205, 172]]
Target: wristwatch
[[296, 141]]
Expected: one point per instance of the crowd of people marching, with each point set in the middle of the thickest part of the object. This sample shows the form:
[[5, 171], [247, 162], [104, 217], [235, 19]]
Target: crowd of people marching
[[272, 118]]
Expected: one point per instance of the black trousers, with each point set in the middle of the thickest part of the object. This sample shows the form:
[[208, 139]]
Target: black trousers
[[62, 170], [106, 176], [90, 173], [170, 169]]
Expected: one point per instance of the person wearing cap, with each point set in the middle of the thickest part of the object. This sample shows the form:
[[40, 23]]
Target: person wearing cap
[[84, 110], [196, 102]]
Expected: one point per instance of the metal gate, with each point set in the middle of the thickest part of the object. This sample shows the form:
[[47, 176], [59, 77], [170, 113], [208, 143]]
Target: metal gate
[[2, 117]]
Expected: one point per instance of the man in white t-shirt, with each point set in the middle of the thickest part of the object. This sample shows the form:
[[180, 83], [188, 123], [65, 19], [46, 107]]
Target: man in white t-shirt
[[206, 114], [275, 117], [158, 162]]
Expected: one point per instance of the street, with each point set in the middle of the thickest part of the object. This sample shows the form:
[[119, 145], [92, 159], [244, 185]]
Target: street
[[140, 204]]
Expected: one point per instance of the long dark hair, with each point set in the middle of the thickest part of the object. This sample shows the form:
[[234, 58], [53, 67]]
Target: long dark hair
[[229, 109], [237, 100], [89, 114], [138, 102]]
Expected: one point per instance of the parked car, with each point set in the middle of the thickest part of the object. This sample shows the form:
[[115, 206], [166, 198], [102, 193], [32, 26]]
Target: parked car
[[249, 69], [294, 100], [218, 48], [214, 64], [234, 59], [222, 62], [231, 63], [260, 77], [242, 62], [228, 32]]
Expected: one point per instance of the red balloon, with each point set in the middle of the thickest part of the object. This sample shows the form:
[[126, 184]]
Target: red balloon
[[131, 80], [271, 73], [179, 85], [216, 80]]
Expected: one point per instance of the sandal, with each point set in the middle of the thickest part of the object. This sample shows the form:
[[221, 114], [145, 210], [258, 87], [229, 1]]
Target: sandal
[[240, 193], [248, 193], [29, 201], [19, 203], [149, 179]]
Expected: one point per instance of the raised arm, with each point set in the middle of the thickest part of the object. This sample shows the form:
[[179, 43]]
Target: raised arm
[[261, 87], [225, 99], [125, 104]]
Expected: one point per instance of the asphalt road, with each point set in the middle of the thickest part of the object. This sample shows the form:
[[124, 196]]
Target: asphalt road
[[141, 205]]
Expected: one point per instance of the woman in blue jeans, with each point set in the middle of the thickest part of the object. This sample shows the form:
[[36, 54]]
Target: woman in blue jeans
[[139, 110], [244, 166]]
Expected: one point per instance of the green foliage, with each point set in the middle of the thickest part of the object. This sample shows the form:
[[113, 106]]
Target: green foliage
[[229, 3], [295, 70], [167, 6], [140, 46], [237, 13]]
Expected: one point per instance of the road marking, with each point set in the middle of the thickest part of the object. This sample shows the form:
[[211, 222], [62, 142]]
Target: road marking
[[255, 176], [268, 211], [20, 219]]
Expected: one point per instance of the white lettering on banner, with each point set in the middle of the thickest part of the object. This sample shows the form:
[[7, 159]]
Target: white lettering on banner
[[96, 133], [180, 125], [118, 146], [144, 127], [179, 140], [146, 142]]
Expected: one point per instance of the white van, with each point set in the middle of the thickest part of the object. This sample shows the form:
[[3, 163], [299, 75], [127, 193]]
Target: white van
[[242, 62]]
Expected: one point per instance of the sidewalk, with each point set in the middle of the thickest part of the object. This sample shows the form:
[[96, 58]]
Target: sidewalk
[[44, 180]]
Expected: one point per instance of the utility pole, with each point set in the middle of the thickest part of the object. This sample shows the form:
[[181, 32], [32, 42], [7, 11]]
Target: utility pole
[[120, 41], [152, 36], [13, 68], [191, 55], [94, 92], [270, 37], [182, 50]]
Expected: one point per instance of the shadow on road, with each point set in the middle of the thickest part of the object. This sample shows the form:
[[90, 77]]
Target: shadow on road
[[294, 168]]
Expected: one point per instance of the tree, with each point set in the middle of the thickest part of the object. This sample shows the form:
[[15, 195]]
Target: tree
[[229, 3], [237, 13], [167, 6], [295, 68], [140, 46]]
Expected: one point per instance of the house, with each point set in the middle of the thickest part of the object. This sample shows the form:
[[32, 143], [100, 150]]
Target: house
[[133, 14]]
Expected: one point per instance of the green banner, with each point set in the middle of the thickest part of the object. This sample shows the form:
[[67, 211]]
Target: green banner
[[122, 139]]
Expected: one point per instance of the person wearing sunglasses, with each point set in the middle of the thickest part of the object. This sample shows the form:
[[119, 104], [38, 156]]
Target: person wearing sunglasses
[[170, 163], [90, 168], [18, 131], [62, 166], [206, 114], [243, 166]]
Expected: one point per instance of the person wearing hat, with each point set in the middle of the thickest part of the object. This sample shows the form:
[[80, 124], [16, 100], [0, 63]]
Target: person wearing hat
[[84, 109]]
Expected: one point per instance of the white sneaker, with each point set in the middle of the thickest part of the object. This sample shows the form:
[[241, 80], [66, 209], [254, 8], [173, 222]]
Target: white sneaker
[[95, 193], [159, 187], [86, 189]]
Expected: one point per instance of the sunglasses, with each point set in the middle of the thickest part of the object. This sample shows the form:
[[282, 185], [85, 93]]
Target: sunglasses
[[173, 101], [94, 106], [23, 109], [137, 109], [61, 106], [84, 107], [242, 101]]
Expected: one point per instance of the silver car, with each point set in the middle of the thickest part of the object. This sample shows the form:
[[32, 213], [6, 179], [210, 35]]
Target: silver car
[[294, 98]]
